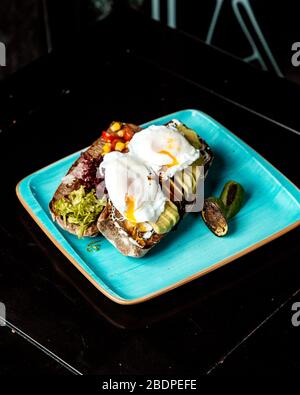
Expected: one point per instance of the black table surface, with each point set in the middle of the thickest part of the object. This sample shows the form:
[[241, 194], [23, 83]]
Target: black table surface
[[236, 319]]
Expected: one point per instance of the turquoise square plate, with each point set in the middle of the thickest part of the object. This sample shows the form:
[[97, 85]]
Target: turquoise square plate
[[272, 208]]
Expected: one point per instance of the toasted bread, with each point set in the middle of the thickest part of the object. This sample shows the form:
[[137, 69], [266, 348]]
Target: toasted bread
[[124, 236], [82, 172]]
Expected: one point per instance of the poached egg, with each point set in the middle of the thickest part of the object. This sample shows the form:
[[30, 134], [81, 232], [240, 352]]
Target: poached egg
[[132, 187], [163, 149]]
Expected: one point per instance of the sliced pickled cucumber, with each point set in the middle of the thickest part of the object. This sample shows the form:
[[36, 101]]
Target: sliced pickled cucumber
[[180, 187], [187, 181], [199, 162], [190, 135], [196, 174], [167, 220], [172, 189], [177, 190], [163, 224]]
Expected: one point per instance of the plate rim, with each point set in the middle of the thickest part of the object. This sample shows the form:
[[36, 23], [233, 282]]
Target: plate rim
[[217, 265]]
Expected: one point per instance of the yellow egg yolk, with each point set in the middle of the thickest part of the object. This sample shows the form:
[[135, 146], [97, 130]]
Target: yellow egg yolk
[[174, 160], [129, 213]]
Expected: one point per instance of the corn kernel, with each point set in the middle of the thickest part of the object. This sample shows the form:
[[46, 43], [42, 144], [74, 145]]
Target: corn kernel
[[119, 146], [106, 148], [115, 126], [127, 143], [120, 133]]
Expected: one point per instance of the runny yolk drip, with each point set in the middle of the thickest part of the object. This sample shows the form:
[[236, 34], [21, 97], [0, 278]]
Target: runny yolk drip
[[174, 160], [129, 213]]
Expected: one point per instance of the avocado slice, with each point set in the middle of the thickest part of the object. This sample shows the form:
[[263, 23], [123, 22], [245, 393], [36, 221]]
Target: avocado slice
[[167, 219], [184, 183], [191, 136]]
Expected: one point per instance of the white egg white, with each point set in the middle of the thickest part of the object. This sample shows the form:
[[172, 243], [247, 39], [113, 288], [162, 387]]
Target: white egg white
[[128, 179], [164, 149]]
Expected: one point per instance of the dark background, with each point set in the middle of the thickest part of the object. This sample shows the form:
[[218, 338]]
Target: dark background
[[31, 28]]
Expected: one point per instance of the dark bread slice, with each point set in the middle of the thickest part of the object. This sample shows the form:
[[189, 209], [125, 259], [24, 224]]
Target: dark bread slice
[[87, 158], [123, 236], [91, 231], [84, 171]]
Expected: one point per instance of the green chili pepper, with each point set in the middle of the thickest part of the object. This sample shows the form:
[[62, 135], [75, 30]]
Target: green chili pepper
[[213, 214], [232, 196], [217, 211]]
